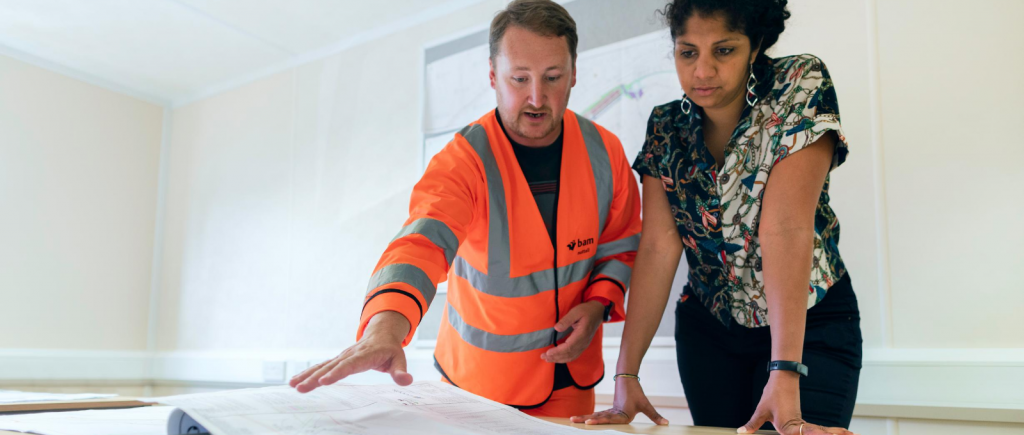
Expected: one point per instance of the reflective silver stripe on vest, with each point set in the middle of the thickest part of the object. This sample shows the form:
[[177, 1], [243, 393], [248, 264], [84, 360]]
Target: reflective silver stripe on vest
[[614, 269], [601, 165], [626, 244], [523, 286], [498, 281], [497, 232], [502, 343], [404, 273], [437, 232]]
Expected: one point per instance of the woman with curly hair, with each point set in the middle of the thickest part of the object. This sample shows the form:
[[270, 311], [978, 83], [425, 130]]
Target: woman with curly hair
[[736, 175]]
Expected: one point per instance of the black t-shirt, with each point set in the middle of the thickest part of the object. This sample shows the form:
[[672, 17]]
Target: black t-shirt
[[542, 167]]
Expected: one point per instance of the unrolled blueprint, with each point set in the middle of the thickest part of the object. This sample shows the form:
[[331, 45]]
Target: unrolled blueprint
[[422, 408]]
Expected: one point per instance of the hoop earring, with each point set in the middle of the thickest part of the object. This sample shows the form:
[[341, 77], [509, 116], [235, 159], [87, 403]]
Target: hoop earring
[[751, 83], [686, 106]]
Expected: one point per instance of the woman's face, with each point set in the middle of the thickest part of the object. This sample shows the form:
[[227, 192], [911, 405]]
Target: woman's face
[[713, 62]]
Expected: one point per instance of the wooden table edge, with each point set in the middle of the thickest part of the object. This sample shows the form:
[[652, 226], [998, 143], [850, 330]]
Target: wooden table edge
[[72, 405]]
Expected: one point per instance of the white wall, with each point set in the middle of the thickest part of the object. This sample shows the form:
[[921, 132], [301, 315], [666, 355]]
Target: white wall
[[951, 100], [78, 194], [283, 191], [281, 194], [297, 160]]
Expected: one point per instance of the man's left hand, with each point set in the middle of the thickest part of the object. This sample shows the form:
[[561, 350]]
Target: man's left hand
[[584, 319]]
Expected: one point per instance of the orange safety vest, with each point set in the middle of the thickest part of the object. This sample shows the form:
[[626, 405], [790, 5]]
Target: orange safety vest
[[474, 221]]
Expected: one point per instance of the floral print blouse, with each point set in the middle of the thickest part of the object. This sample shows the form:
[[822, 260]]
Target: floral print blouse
[[717, 210]]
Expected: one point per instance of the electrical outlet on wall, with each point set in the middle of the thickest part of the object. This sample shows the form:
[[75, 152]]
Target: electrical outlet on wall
[[295, 367], [273, 371]]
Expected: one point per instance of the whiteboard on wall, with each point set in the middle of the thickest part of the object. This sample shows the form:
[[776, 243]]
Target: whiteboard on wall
[[624, 69], [617, 85]]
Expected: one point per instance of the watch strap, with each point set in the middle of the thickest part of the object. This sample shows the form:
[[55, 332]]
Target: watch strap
[[791, 366]]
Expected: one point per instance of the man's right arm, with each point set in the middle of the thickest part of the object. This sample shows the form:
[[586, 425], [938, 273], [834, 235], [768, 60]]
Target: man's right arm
[[405, 279], [380, 349]]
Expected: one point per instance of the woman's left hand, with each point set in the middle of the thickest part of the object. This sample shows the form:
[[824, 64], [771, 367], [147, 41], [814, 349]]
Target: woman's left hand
[[780, 404]]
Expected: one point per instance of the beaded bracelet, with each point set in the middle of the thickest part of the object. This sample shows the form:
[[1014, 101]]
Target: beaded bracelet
[[625, 375]]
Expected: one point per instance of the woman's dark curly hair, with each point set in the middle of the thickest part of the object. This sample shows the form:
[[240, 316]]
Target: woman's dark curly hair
[[761, 20]]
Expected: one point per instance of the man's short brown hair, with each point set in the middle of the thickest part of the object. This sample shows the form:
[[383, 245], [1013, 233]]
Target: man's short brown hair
[[543, 17]]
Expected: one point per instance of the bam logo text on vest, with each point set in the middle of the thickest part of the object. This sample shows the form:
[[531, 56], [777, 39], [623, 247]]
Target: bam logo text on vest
[[580, 243]]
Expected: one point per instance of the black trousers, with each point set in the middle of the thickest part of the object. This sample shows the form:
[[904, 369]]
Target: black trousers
[[724, 369]]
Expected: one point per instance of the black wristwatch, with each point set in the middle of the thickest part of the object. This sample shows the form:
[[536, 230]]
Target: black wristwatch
[[608, 311], [791, 366]]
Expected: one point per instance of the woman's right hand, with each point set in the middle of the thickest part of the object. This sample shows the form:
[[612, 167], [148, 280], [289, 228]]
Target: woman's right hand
[[657, 259], [629, 400]]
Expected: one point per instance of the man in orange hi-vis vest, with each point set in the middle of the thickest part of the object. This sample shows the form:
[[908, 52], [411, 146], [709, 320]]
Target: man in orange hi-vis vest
[[532, 214]]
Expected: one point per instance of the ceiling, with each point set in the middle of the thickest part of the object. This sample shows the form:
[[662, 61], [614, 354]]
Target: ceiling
[[174, 51]]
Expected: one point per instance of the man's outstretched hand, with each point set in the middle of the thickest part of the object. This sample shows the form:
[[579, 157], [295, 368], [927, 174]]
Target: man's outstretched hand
[[380, 349]]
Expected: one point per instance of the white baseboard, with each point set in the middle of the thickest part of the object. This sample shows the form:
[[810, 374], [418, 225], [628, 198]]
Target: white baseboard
[[246, 368], [43, 365], [958, 384]]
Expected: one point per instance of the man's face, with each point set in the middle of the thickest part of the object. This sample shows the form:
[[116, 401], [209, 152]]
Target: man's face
[[532, 76]]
